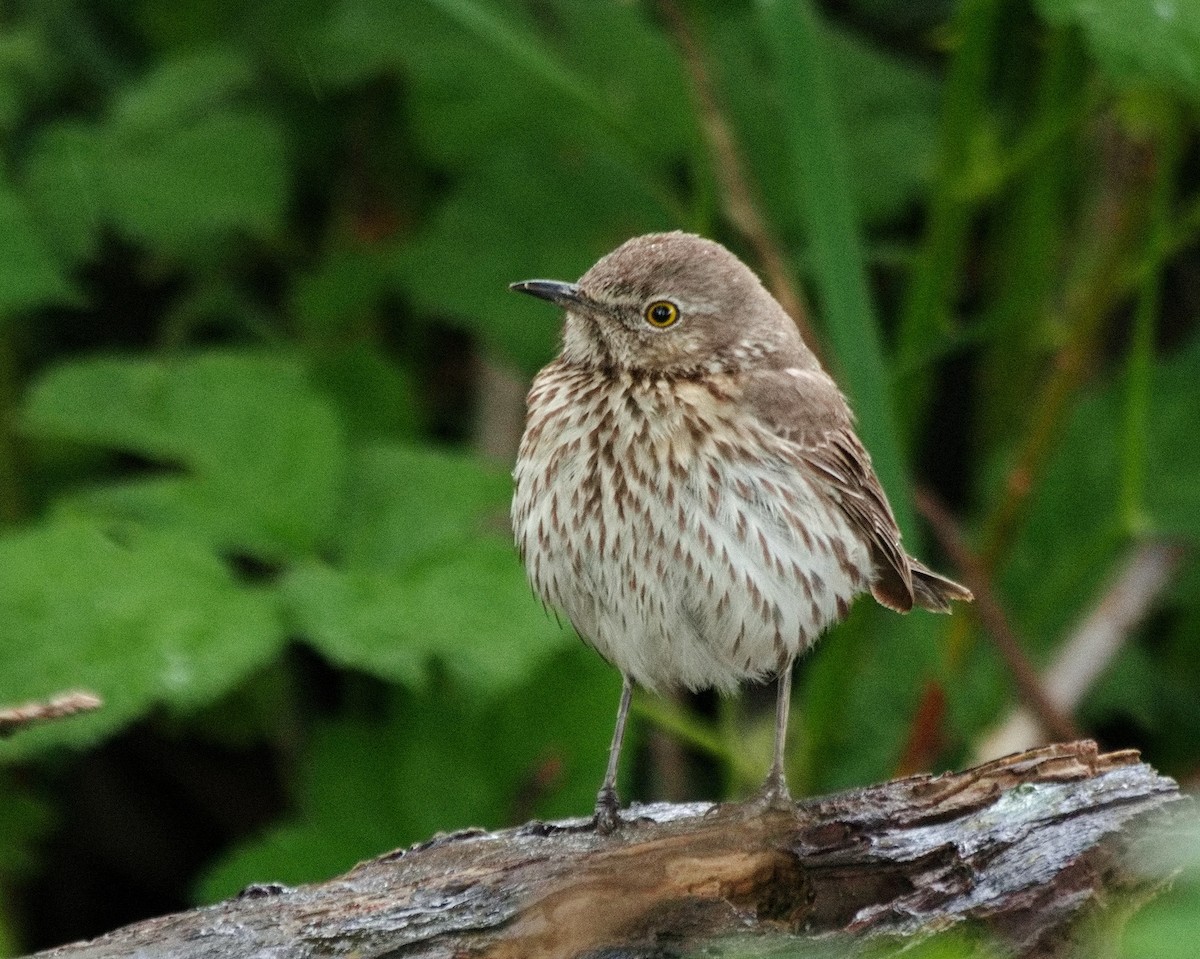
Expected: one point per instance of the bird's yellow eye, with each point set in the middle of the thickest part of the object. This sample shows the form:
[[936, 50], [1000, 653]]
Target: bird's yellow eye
[[662, 313]]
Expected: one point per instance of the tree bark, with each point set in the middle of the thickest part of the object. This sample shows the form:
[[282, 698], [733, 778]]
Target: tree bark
[[1021, 846]]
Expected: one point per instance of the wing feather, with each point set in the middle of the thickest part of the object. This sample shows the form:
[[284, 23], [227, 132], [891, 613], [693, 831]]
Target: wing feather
[[805, 407]]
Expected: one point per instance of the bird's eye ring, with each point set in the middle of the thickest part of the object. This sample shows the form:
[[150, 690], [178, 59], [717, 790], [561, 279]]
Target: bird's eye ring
[[661, 314]]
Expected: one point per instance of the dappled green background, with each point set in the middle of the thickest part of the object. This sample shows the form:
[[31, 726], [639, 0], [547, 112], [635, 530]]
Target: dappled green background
[[260, 381]]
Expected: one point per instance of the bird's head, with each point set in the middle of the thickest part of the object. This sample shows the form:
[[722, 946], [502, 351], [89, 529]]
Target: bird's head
[[672, 304]]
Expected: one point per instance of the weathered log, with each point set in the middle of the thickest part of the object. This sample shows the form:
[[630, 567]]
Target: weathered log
[[1020, 846]]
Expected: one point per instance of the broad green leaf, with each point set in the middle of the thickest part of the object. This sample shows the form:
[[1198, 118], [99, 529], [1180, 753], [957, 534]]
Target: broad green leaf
[[182, 89], [29, 65], [143, 619], [258, 451], [406, 503], [425, 574], [30, 273], [441, 760], [224, 172], [376, 399], [483, 72], [890, 119], [176, 187], [468, 612], [521, 215], [564, 142], [63, 177], [1071, 533], [173, 164], [339, 295], [1140, 41]]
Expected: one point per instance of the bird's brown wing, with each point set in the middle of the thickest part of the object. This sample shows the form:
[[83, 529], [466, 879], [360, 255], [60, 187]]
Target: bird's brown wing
[[809, 411]]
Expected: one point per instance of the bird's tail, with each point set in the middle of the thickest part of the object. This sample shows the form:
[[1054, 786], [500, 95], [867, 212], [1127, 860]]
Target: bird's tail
[[933, 591]]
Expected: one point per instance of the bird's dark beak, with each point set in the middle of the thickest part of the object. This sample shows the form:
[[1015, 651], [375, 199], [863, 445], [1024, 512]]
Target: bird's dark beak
[[564, 294]]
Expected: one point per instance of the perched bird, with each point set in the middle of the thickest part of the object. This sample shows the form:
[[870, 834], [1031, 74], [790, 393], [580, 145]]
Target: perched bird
[[690, 490]]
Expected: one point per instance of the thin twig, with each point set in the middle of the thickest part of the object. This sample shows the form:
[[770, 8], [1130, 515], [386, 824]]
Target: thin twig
[[16, 718], [737, 196], [1083, 657], [925, 735], [993, 617]]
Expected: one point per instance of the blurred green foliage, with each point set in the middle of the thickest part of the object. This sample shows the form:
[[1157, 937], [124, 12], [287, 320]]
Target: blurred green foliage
[[253, 270]]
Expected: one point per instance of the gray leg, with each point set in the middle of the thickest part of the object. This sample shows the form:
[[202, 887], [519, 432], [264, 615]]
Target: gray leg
[[607, 803], [775, 788]]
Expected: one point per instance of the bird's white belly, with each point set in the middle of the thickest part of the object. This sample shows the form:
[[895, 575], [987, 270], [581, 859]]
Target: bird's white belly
[[683, 561]]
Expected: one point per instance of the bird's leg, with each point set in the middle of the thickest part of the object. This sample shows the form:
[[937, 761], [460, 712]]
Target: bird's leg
[[775, 791], [607, 804]]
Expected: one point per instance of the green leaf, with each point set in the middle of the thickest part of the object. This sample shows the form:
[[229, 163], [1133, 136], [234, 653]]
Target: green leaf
[[811, 135], [375, 398], [182, 89], [470, 613], [426, 573], [173, 165], [225, 172], [890, 121], [1074, 513], [28, 65], [175, 187], [409, 502], [484, 73], [441, 760], [140, 618], [64, 181], [521, 214], [259, 450], [339, 295], [30, 273], [890, 110], [1139, 41]]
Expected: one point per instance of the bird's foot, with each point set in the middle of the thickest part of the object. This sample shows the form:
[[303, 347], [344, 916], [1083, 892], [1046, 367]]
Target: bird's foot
[[607, 817], [773, 794]]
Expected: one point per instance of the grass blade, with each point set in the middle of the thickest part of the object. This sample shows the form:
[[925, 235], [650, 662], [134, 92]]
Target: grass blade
[[812, 137]]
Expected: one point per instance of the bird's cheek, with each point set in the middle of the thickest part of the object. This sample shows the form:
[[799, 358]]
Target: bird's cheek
[[683, 344]]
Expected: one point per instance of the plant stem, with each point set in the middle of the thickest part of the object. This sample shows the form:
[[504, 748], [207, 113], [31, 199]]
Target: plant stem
[[1032, 226], [738, 199], [1141, 347], [13, 501], [813, 139], [1089, 298], [926, 311], [688, 728]]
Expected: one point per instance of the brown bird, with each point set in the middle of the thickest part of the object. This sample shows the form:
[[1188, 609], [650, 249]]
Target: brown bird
[[690, 490]]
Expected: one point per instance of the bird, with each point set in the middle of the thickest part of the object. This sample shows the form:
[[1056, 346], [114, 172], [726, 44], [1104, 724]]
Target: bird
[[689, 490]]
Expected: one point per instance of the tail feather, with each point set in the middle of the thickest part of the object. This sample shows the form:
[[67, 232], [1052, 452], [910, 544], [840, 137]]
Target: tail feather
[[933, 591]]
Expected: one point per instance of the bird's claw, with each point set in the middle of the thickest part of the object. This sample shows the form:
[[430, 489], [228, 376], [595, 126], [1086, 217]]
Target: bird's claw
[[607, 817], [773, 794]]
